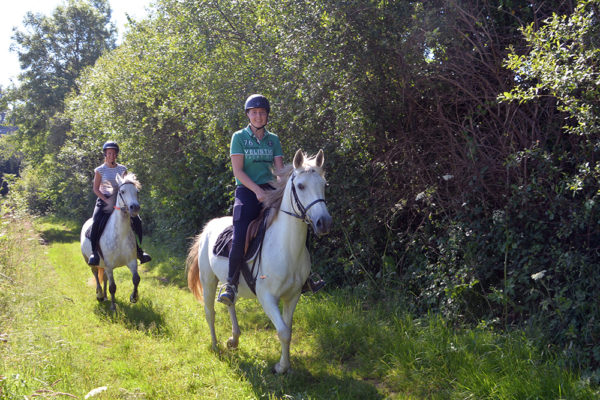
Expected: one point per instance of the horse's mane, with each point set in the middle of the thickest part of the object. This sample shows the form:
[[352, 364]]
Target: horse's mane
[[273, 197], [272, 200], [112, 190]]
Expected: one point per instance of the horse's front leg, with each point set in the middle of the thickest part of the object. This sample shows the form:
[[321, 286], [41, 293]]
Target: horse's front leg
[[135, 278], [270, 304], [99, 294], [112, 287], [289, 306]]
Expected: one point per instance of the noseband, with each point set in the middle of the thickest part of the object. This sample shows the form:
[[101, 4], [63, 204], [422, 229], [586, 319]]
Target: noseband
[[303, 210]]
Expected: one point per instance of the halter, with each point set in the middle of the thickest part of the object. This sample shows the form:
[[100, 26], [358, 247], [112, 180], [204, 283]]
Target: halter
[[126, 208], [303, 210]]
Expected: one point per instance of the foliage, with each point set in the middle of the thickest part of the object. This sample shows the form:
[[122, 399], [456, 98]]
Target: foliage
[[552, 213], [570, 75], [9, 163], [53, 51]]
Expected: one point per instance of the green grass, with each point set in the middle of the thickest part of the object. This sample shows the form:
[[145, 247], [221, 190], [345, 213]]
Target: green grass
[[57, 340]]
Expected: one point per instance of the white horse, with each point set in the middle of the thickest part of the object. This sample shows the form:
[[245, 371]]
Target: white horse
[[117, 243], [284, 262]]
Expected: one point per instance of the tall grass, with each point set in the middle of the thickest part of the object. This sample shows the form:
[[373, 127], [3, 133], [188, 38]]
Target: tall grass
[[59, 342]]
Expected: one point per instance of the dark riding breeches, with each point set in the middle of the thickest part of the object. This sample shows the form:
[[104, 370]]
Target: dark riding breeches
[[100, 218], [245, 208]]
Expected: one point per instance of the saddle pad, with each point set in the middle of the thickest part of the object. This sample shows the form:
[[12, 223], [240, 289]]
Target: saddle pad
[[223, 246]]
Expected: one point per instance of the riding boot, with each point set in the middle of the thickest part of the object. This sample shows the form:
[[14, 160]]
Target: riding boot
[[136, 225], [227, 294], [143, 256], [312, 286], [94, 258]]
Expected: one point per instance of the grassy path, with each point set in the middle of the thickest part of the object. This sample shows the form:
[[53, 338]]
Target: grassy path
[[57, 341]]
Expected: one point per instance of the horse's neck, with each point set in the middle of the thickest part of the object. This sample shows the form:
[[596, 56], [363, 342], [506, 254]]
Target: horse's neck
[[119, 222], [289, 232]]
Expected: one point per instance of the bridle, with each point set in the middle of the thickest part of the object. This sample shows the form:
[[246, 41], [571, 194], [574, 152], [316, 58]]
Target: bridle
[[298, 205], [126, 208]]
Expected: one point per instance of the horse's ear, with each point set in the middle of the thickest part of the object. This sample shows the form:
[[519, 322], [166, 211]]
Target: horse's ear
[[320, 158], [298, 159], [119, 179]]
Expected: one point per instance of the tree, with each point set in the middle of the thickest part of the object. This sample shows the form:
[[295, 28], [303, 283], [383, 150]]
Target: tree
[[53, 51]]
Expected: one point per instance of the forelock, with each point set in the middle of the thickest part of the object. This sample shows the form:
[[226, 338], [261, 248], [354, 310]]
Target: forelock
[[131, 178]]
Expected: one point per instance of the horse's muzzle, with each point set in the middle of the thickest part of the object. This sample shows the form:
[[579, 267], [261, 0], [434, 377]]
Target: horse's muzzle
[[134, 208], [323, 225]]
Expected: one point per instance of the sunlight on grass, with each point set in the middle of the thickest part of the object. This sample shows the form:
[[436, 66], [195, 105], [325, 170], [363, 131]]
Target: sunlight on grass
[[59, 339]]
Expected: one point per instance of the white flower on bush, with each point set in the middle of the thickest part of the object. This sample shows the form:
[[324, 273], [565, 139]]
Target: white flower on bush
[[538, 275]]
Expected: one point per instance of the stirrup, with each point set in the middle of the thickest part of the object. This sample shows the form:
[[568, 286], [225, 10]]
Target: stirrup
[[229, 296], [313, 284]]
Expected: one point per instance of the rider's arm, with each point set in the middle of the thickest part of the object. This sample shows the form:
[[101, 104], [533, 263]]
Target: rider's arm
[[237, 162], [97, 182], [278, 162]]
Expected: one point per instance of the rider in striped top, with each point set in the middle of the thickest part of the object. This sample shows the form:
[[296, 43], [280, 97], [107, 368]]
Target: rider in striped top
[[106, 174]]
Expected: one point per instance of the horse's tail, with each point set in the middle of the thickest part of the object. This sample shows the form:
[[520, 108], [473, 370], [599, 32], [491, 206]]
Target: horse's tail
[[193, 271]]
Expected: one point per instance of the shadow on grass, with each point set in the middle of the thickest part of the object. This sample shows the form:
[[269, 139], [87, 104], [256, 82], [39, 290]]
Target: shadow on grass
[[140, 316], [170, 270], [57, 230], [54, 235], [299, 382]]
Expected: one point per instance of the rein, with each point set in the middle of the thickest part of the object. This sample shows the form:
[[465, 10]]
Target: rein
[[303, 210]]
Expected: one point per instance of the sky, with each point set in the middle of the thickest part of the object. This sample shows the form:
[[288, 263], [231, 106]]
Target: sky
[[12, 14]]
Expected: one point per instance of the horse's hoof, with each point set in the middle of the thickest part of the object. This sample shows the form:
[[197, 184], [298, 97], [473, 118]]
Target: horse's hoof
[[133, 299], [100, 299], [232, 343], [278, 369]]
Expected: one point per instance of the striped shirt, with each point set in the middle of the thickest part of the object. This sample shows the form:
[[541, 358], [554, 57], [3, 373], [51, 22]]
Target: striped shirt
[[109, 175]]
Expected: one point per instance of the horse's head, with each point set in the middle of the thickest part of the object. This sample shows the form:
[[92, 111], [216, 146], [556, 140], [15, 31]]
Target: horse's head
[[307, 184], [126, 195]]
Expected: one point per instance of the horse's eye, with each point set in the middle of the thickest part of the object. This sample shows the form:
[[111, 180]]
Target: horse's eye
[[300, 186], [122, 191]]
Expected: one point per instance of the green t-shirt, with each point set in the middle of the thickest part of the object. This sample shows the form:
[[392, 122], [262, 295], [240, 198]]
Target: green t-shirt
[[258, 155]]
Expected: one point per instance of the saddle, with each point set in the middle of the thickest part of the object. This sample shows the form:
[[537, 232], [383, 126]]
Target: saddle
[[254, 241]]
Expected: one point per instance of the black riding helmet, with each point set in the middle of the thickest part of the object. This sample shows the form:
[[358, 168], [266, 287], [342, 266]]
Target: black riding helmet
[[257, 101], [110, 145]]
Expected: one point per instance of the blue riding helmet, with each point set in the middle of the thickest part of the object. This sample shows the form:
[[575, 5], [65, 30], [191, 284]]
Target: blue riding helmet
[[110, 145], [257, 101]]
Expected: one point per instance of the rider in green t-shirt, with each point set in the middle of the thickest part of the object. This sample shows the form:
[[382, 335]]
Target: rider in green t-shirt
[[254, 152]]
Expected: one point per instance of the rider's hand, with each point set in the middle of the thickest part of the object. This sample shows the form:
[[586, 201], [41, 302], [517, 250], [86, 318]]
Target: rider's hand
[[260, 195]]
